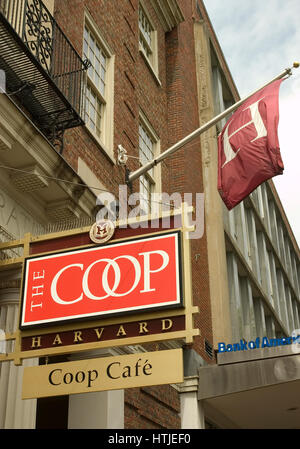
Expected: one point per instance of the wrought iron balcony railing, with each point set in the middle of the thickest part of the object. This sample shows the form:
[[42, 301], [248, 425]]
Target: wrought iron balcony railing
[[42, 68]]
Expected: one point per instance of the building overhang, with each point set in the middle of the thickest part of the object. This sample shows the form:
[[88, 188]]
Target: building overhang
[[255, 389], [36, 176], [169, 13]]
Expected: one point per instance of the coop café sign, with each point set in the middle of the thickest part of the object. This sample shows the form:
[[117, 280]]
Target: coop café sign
[[135, 275]]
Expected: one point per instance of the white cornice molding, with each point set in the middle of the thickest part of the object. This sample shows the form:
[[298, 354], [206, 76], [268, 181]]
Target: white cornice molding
[[24, 138], [169, 13]]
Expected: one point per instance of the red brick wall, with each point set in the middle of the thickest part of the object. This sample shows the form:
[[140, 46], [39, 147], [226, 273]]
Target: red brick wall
[[135, 87], [152, 408], [172, 110]]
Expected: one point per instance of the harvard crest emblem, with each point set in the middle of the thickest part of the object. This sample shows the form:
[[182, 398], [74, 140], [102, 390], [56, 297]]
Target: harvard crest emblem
[[102, 231]]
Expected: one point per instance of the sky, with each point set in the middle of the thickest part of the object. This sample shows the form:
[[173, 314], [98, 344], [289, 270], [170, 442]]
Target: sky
[[259, 39]]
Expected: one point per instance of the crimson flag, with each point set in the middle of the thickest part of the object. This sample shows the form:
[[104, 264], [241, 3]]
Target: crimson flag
[[248, 146]]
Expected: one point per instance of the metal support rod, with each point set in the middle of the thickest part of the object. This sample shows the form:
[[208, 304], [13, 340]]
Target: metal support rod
[[139, 172]]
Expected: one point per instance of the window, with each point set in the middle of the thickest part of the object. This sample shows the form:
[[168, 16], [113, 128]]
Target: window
[[146, 154], [145, 33], [95, 92], [148, 41], [99, 88], [150, 182]]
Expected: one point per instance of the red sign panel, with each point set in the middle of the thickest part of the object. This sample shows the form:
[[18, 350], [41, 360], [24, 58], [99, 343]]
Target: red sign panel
[[135, 275]]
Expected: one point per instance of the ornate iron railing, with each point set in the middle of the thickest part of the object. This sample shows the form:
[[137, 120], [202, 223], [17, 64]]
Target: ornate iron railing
[[54, 96]]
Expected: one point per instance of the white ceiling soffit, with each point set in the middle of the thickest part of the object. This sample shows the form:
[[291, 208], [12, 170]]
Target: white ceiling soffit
[[169, 13], [29, 179]]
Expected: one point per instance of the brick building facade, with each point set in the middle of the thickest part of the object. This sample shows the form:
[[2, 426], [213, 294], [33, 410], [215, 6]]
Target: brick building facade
[[166, 99], [156, 72]]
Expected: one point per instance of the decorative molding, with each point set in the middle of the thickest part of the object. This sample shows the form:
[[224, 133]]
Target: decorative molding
[[62, 210], [33, 179], [189, 385], [169, 13], [29, 148], [4, 144], [10, 283], [205, 144]]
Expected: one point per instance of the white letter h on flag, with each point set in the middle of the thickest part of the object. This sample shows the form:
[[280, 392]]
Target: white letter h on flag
[[259, 126]]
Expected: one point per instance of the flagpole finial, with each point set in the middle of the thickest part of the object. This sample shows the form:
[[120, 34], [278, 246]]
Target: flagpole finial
[[296, 65]]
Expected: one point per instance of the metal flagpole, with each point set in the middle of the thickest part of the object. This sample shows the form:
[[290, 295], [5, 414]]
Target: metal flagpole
[[139, 172]]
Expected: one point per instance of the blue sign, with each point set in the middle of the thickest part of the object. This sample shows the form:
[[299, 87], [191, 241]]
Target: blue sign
[[265, 342]]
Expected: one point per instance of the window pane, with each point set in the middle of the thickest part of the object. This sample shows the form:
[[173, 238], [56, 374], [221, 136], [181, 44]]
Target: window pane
[[94, 110], [93, 51], [97, 52], [92, 43], [146, 154], [145, 32], [97, 65], [145, 195], [97, 81]]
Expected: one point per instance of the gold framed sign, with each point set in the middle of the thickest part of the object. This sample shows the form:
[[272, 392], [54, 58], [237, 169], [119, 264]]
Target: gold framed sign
[[153, 303], [106, 373]]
